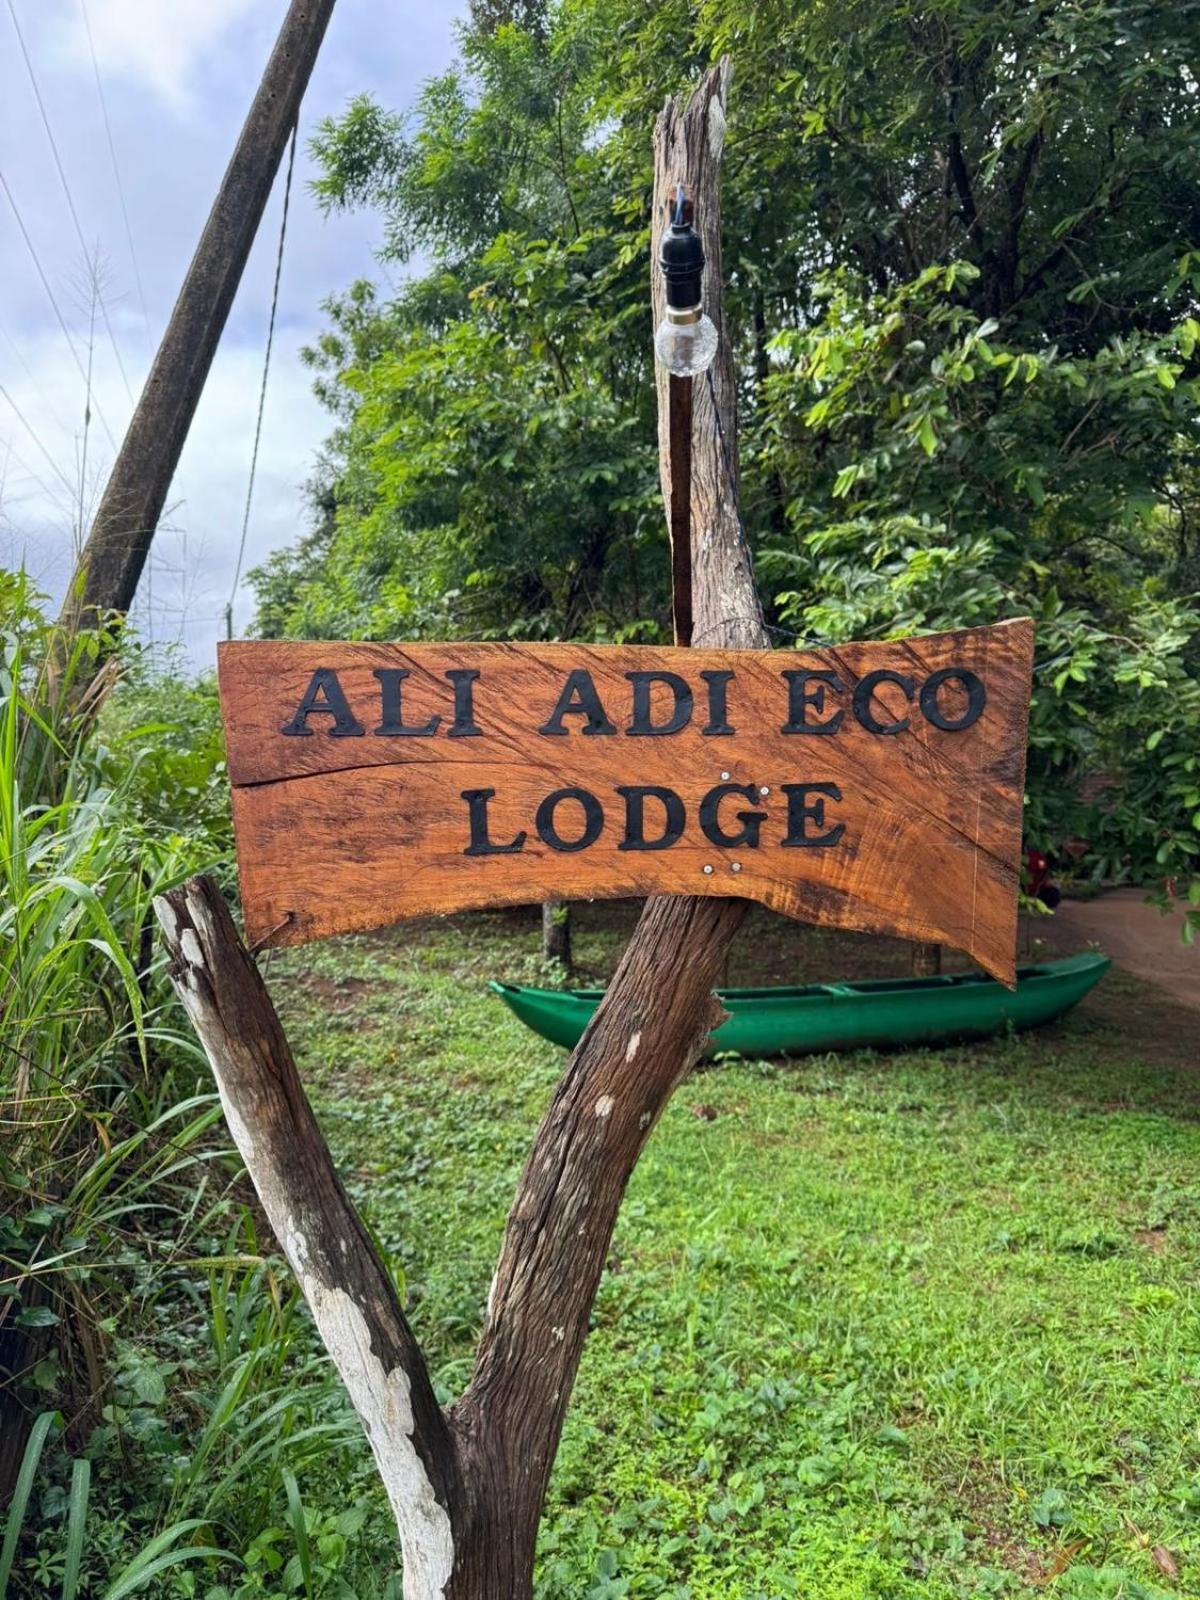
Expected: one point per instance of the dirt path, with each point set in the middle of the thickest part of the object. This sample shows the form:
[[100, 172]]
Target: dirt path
[[1137, 937]]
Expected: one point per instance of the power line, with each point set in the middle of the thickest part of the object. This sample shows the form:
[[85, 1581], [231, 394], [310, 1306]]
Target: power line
[[262, 393], [66, 187], [34, 380], [112, 152], [29, 245], [32, 432], [51, 494]]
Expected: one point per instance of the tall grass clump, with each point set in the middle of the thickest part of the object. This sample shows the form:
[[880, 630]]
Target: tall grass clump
[[159, 1389], [102, 1110]]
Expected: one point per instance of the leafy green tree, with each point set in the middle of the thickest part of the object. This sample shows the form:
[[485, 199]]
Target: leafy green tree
[[962, 273], [494, 470], [997, 481]]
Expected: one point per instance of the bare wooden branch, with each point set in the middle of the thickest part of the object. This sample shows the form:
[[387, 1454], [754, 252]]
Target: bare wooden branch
[[347, 1287], [649, 1029], [468, 1490], [689, 138], [680, 468], [658, 1014]]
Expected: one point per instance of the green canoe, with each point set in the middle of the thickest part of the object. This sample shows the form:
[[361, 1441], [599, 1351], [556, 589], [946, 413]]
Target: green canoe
[[848, 1016]]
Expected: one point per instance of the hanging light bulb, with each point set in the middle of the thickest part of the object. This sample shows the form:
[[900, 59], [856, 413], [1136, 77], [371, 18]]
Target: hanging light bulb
[[685, 341]]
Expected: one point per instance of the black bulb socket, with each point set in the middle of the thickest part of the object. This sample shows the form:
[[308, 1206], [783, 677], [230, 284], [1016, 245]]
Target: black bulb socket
[[681, 257]]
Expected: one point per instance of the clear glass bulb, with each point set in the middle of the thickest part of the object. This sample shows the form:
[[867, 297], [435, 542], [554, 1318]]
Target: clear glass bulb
[[686, 348]]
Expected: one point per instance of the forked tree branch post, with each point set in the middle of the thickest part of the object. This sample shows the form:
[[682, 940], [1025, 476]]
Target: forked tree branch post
[[467, 1486]]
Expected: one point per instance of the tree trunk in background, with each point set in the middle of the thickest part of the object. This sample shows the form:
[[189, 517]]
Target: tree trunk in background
[[467, 1486], [556, 933], [926, 960], [20, 1351]]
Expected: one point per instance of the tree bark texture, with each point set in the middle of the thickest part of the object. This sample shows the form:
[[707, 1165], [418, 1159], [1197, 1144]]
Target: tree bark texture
[[689, 138], [556, 932], [467, 1486], [926, 959]]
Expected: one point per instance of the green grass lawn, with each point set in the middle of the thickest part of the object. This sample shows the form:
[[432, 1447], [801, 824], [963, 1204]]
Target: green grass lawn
[[873, 1326]]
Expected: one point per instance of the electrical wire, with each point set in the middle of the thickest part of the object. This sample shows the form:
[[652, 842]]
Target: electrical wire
[[51, 494], [34, 380], [35, 258], [262, 393], [66, 188], [112, 153], [33, 434]]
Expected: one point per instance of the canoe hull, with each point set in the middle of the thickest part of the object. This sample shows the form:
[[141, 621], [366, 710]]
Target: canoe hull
[[849, 1016]]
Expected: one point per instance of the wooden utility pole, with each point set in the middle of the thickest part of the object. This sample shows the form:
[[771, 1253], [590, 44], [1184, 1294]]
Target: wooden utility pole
[[467, 1484], [111, 561]]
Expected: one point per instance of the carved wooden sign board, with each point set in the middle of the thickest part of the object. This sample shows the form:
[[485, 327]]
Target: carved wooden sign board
[[871, 786]]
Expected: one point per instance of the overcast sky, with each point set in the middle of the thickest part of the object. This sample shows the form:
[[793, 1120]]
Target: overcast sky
[[177, 77]]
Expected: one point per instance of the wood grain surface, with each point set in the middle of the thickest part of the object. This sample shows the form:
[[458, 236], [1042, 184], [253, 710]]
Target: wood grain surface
[[347, 823]]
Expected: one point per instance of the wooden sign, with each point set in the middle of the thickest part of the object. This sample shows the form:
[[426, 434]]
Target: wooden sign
[[872, 786]]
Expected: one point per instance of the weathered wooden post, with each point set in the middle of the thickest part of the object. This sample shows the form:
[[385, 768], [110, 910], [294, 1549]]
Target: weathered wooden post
[[373, 782], [925, 959], [556, 933]]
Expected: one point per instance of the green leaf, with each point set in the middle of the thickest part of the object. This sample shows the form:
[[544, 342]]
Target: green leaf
[[158, 1556], [299, 1530], [81, 1477], [37, 1317], [15, 1511]]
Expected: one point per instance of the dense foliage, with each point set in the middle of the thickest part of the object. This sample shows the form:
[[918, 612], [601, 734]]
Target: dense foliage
[[962, 273], [157, 1384]]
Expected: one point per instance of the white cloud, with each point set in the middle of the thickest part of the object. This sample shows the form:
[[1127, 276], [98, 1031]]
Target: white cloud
[[178, 76], [158, 43], [187, 583]]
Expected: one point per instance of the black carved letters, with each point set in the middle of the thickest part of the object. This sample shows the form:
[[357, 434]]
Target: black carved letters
[[802, 811], [324, 697], [659, 705], [578, 699], [751, 821], [717, 725], [547, 820], [864, 693], [635, 798], [642, 722], [976, 699], [464, 726], [806, 691], [391, 722], [642, 818], [481, 843]]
